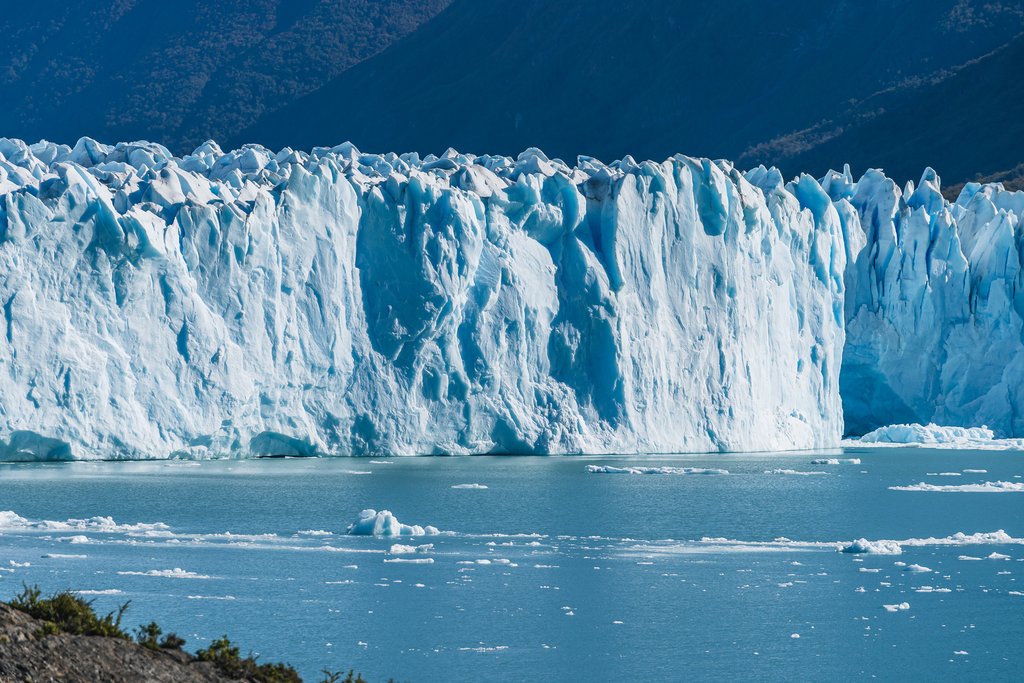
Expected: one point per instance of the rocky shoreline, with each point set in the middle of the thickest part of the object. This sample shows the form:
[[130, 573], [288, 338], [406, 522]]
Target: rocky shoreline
[[28, 653]]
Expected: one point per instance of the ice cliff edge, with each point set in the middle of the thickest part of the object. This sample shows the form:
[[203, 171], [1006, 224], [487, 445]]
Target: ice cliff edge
[[335, 302]]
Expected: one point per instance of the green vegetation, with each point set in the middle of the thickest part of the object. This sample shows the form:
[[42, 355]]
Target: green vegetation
[[66, 612], [229, 661], [148, 636], [336, 677]]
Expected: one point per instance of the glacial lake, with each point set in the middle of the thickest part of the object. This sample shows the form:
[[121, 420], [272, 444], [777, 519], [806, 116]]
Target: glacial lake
[[551, 572]]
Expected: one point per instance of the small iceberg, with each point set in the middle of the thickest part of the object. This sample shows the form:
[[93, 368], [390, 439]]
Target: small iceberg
[[383, 523], [864, 546], [901, 607]]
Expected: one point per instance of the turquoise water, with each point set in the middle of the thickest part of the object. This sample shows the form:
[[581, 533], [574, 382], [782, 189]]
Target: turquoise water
[[585, 576]]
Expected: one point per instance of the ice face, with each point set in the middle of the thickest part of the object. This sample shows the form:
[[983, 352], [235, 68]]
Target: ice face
[[259, 303], [934, 299]]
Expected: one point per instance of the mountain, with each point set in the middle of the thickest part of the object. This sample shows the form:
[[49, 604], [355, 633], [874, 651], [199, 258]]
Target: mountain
[[180, 72], [737, 79], [968, 122]]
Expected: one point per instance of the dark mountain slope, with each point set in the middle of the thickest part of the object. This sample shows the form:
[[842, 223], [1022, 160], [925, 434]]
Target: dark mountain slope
[[966, 125], [179, 72], [646, 78]]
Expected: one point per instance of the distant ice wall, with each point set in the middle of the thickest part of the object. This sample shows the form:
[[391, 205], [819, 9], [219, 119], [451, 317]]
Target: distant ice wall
[[934, 299], [341, 303]]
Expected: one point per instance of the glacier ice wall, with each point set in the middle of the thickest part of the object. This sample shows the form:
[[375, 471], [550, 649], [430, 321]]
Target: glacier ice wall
[[934, 305], [341, 303]]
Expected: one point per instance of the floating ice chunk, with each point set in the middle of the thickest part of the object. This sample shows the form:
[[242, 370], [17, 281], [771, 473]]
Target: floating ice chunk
[[410, 560], [836, 461], [998, 556], [473, 487], [63, 556], [898, 607], [11, 521], [383, 523], [969, 558], [796, 472], [984, 487], [917, 569], [176, 573], [863, 545], [211, 597], [608, 469], [399, 549], [975, 471]]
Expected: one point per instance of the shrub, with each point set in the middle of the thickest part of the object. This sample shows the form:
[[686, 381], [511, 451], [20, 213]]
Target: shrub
[[148, 635], [172, 642], [229, 661], [68, 613]]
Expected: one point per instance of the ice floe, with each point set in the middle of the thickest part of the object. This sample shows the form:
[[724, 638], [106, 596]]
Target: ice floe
[[11, 521], [863, 545], [399, 549], [176, 573], [836, 461], [793, 472], [609, 469], [984, 487], [900, 607]]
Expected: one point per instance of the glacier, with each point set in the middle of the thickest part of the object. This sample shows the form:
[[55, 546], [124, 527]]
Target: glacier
[[332, 302], [253, 302], [934, 304]]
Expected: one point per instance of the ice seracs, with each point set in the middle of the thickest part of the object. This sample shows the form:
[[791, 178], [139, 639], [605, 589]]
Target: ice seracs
[[934, 299], [251, 302]]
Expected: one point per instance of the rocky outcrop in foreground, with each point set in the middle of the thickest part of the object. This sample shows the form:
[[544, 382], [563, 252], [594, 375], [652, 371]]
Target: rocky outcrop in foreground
[[28, 655]]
